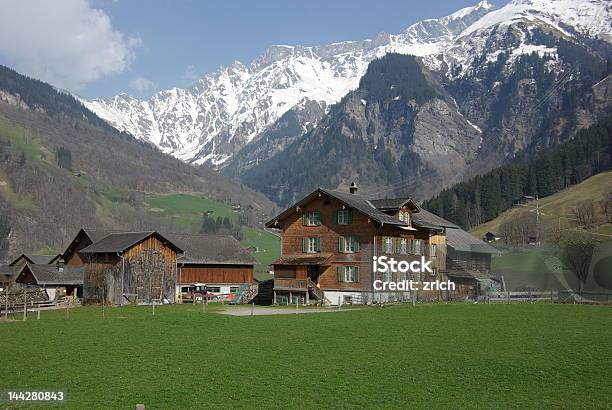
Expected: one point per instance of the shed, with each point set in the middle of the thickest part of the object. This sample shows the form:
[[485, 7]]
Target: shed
[[130, 267], [53, 278]]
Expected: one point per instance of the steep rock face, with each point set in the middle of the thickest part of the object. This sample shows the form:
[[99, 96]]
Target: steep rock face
[[399, 128]]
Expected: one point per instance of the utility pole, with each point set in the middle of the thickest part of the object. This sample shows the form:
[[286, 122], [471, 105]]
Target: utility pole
[[537, 219]]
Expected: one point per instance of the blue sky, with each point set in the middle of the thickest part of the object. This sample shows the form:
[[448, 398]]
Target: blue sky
[[153, 45]]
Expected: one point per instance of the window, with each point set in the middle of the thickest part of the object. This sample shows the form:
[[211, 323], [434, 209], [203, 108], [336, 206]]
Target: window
[[404, 216], [311, 245], [417, 246], [387, 244], [403, 246], [348, 273], [343, 217], [234, 289], [214, 289], [434, 250], [312, 218], [348, 244]]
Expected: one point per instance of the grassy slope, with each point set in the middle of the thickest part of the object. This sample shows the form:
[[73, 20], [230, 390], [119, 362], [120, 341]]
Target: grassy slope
[[186, 212], [559, 205], [501, 356]]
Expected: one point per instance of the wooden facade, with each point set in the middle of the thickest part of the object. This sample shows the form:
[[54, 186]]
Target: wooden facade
[[297, 271], [145, 272], [214, 274]]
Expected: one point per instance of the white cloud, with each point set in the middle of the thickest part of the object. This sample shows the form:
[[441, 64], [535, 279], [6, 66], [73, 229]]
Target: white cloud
[[66, 43], [142, 85]]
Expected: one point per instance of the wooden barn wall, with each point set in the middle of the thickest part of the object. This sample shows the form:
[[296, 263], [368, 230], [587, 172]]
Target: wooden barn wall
[[211, 274], [147, 273]]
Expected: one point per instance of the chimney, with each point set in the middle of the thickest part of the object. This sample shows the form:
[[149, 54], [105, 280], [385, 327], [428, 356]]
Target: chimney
[[353, 188]]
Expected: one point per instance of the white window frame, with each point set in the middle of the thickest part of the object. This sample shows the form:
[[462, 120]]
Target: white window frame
[[351, 244], [417, 246], [403, 246], [350, 274], [434, 250], [342, 216], [388, 244], [311, 244], [311, 218]]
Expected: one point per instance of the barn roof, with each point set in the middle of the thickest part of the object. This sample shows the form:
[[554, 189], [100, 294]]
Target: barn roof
[[54, 276], [462, 241], [210, 249], [93, 235], [120, 241], [36, 259], [6, 270]]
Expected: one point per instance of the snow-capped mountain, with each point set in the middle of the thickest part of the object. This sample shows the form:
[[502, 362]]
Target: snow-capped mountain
[[230, 108]]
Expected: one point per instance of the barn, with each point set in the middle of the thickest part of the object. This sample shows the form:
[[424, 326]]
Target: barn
[[56, 280], [130, 267], [219, 261]]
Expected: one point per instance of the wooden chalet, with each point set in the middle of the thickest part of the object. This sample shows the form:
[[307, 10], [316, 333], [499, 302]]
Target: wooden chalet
[[330, 237], [56, 280], [218, 261], [130, 267]]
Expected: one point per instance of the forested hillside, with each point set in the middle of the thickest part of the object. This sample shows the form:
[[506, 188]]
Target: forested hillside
[[61, 168], [484, 197]]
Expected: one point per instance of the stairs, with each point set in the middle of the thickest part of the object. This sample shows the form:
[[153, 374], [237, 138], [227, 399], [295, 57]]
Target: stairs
[[315, 291], [246, 294]]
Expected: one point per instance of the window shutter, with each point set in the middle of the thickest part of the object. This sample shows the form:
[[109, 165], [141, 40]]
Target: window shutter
[[349, 216], [341, 244], [318, 244], [304, 245], [356, 273], [339, 273], [357, 244], [304, 219], [335, 218], [317, 218]]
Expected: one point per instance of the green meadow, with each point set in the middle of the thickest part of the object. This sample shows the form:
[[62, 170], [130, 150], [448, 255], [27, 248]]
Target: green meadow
[[428, 356]]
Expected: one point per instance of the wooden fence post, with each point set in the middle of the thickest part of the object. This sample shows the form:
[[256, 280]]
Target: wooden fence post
[[38, 313], [508, 296], [25, 305]]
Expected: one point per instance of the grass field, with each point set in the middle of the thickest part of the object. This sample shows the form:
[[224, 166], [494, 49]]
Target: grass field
[[557, 207], [268, 249], [186, 212], [458, 355]]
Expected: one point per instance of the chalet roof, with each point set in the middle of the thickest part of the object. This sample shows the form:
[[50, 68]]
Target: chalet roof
[[300, 259], [426, 219], [119, 242], [36, 259], [393, 203], [210, 249], [462, 241], [354, 201], [54, 276]]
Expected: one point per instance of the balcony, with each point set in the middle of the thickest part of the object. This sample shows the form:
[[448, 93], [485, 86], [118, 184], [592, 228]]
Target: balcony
[[290, 284]]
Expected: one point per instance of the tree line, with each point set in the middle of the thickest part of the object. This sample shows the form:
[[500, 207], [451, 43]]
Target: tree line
[[484, 197]]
